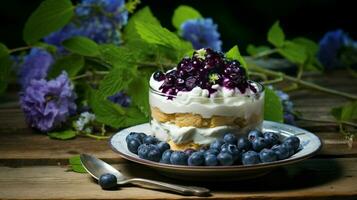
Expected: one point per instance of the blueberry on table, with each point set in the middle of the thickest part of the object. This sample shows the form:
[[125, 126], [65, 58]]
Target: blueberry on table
[[272, 138], [216, 144], [165, 158], [211, 160], [250, 158], [294, 141], [150, 140], [225, 159], [259, 144], [133, 145], [196, 159], [254, 134], [107, 181], [281, 152], [163, 146], [244, 144], [230, 138], [178, 158], [267, 155]]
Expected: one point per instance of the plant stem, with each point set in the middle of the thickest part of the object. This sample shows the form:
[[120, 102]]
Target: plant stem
[[302, 83], [277, 80], [328, 121], [265, 53], [96, 136], [19, 49], [261, 75]]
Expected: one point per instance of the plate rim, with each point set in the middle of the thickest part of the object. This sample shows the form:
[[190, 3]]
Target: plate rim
[[154, 164]]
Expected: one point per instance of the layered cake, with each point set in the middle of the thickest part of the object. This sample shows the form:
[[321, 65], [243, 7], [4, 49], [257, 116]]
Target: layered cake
[[202, 98]]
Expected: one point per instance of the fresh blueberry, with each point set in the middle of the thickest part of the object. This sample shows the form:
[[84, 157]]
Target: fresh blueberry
[[259, 144], [211, 160], [189, 151], [150, 140], [178, 158], [196, 159], [234, 151], [289, 148], [267, 155], [133, 145], [294, 141], [225, 159], [165, 158], [230, 138], [281, 152], [107, 181], [163, 146], [254, 134], [211, 151], [216, 144], [154, 155], [250, 158], [272, 138], [144, 149], [135, 135], [244, 144], [159, 76]]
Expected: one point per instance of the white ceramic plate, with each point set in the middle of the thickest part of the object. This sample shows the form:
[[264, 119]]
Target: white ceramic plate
[[310, 145]]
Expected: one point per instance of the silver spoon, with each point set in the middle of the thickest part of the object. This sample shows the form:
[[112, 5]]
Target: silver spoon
[[96, 167]]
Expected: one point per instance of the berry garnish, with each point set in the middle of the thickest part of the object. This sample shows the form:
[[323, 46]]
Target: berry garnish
[[159, 76]]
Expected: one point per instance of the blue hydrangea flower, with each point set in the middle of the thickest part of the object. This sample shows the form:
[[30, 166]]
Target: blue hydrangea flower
[[35, 65], [99, 20], [202, 33], [330, 45], [288, 106], [120, 98], [48, 104]]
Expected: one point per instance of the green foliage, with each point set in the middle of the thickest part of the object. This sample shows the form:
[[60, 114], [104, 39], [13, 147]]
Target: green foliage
[[234, 53], [276, 35], [72, 64], [131, 5], [293, 52], [254, 50], [273, 109], [48, 47], [62, 135], [5, 67], [82, 46], [50, 16], [347, 112], [118, 79], [76, 165], [184, 13], [311, 48], [138, 90]]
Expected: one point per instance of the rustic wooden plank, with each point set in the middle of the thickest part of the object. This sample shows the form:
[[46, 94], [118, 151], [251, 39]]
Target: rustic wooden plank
[[311, 179]]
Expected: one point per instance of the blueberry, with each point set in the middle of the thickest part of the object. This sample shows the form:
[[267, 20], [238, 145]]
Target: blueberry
[[234, 151], [211, 151], [144, 150], [216, 144], [259, 144], [244, 144], [272, 138], [107, 181], [230, 138], [250, 158], [159, 76], [163, 146], [211, 160], [135, 135], [150, 140], [281, 152], [254, 134], [165, 158], [267, 155], [133, 145], [189, 151], [225, 159], [289, 148], [154, 155], [196, 159], [294, 141], [178, 158]]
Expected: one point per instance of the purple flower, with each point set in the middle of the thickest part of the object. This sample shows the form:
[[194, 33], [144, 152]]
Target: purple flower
[[35, 66], [121, 99], [202, 33], [330, 46], [48, 104]]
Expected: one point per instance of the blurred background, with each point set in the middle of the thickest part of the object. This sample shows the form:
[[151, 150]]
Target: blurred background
[[243, 23]]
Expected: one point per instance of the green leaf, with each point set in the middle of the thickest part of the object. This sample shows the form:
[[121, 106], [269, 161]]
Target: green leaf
[[311, 49], [347, 112], [72, 64], [276, 35], [48, 47], [234, 53], [81, 45], [293, 52], [273, 108], [63, 135], [76, 165], [50, 16], [254, 50], [184, 13], [5, 67], [118, 79], [138, 90]]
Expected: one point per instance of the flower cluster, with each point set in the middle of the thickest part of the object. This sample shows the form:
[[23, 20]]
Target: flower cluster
[[83, 122], [120, 98], [289, 116], [202, 33], [48, 104]]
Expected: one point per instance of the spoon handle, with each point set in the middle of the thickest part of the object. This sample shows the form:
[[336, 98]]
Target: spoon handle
[[185, 190]]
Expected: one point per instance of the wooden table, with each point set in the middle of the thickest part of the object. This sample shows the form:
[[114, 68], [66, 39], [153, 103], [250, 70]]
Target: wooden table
[[32, 166]]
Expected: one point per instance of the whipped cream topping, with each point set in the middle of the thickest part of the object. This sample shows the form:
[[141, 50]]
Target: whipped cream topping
[[224, 102]]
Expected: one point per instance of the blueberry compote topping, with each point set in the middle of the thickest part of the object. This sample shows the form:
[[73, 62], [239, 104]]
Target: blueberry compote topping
[[204, 69]]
